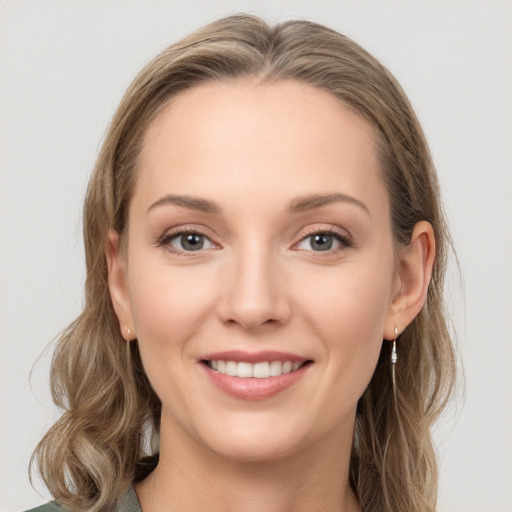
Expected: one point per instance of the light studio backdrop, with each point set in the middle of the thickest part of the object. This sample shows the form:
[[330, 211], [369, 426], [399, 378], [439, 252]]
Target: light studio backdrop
[[64, 66]]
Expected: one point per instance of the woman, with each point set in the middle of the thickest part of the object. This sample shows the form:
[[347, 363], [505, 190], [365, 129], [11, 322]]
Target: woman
[[264, 325]]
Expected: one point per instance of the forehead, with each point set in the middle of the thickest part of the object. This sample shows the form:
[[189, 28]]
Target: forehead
[[227, 136]]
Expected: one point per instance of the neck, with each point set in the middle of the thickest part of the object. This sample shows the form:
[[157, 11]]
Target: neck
[[190, 477]]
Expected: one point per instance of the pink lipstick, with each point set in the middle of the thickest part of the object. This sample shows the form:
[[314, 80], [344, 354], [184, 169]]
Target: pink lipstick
[[254, 376]]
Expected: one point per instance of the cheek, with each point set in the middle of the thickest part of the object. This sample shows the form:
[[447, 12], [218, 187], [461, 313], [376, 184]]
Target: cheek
[[351, 304], [347, 311], [169, 307], [168, 304]]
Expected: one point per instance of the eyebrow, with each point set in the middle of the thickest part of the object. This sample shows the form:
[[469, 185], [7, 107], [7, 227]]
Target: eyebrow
[[298, 205], [306, 203], [192, 203]]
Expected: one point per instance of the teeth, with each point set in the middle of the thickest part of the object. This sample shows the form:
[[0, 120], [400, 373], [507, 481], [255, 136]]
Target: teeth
[[261, 370], [276, 368], [244, 370], [231, 368], [287, 366]]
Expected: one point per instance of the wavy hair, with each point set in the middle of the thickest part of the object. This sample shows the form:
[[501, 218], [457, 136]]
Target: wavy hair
[[91, 455]]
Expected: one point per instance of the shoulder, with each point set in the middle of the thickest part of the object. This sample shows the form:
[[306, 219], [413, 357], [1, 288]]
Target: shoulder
[[49, 507]]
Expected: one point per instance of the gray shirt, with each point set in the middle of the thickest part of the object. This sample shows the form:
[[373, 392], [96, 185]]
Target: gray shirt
[[127, 503]]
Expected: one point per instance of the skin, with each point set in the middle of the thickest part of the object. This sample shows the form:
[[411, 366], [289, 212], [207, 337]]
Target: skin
[[254, 151]]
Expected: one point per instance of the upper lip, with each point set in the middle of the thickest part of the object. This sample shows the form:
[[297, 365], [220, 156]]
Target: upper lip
[[254, 357]]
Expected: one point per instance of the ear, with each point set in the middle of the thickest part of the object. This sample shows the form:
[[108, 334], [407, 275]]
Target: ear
[[117, 283], [414, 271]]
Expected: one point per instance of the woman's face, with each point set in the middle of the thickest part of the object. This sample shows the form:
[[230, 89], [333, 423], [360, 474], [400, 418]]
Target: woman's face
[[259, 242]]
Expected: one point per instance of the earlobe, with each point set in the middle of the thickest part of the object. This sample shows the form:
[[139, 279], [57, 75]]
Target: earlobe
[[117, 283], [415, 265]]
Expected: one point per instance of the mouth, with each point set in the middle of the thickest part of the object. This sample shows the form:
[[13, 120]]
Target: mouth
[[260, 370], [254, 376]]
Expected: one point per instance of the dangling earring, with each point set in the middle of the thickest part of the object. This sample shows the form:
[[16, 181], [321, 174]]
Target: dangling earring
[[394, 358], [128, 351]]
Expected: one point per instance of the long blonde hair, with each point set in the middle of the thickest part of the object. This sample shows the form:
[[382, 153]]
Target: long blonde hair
[[96, 449]]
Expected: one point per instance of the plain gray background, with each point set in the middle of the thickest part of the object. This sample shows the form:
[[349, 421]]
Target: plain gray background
[[64, 66]]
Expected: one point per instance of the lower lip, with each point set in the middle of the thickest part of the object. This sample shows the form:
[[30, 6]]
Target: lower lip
[[255, 389]]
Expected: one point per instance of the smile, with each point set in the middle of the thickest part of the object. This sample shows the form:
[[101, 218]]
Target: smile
[[261, 370], [254, 376]]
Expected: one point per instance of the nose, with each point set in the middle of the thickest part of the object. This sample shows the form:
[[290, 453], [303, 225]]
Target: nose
[[254, 294]]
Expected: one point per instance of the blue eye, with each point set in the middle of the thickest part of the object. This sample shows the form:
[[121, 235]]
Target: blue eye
[[187, 242], [323, 241]]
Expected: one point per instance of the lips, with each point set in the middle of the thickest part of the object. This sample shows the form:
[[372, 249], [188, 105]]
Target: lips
[[261, 370], [254, 376]]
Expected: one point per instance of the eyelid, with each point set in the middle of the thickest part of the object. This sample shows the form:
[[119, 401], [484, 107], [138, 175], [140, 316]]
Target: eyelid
[[340, 234], [175, 232]]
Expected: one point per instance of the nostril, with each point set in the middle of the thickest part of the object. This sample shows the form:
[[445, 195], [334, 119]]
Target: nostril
[[250, 322]]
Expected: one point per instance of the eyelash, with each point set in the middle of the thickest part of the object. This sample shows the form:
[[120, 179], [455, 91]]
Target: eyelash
[[344, 240], [165, 240]]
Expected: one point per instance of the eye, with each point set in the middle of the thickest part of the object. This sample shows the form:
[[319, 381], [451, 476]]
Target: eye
[[187, 242], [323, 241]]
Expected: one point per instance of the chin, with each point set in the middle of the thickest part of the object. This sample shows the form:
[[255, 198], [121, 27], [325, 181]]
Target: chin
[[252, 440], [241, 449]]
